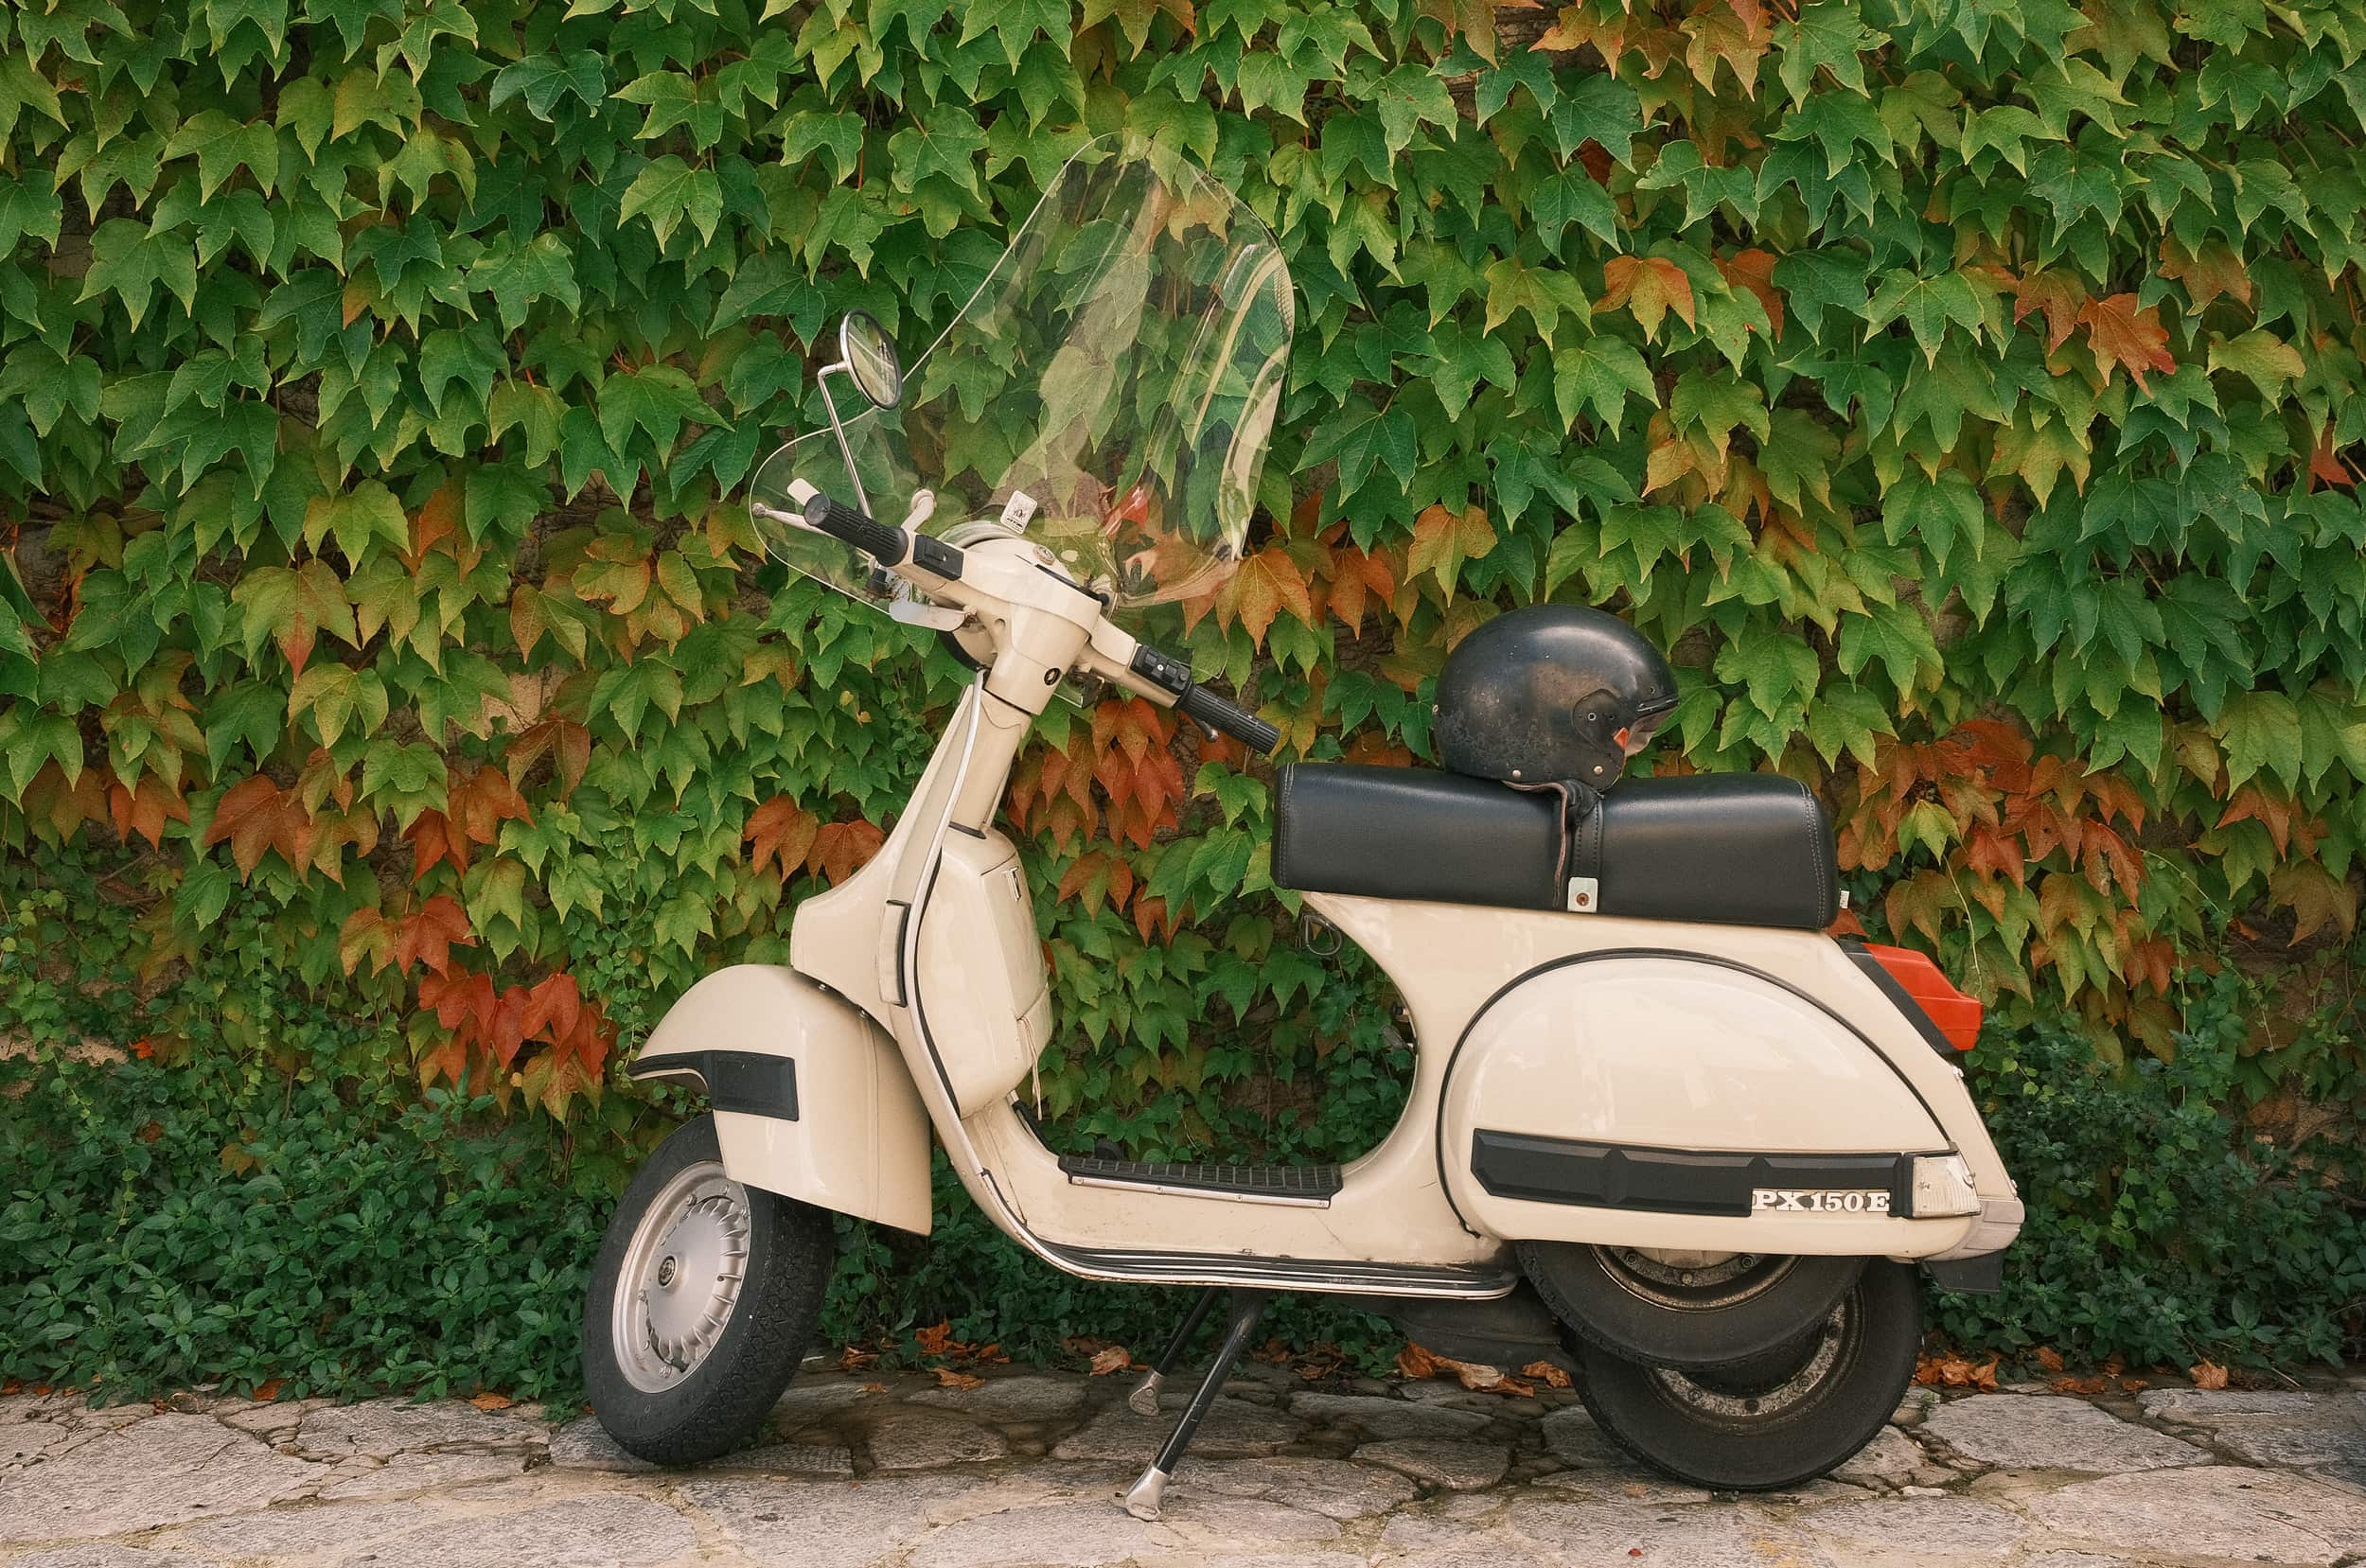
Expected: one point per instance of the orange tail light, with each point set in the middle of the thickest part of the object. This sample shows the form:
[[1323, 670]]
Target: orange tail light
[[1954, 1014]]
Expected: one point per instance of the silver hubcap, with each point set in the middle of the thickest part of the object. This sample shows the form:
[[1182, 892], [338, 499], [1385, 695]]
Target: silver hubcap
[[1692, 1281], [1776, 1396], [682, 1277]]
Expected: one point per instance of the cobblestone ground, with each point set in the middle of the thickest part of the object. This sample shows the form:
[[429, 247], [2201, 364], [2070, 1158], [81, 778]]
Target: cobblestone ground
[[1024, 1470]]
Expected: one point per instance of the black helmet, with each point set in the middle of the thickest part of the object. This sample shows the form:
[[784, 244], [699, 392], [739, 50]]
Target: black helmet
[[1551, 693]]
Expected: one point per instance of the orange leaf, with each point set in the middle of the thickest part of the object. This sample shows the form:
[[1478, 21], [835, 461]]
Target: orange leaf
[[427, 937], [947, 1378], [253, 815], [2058, 294], [1648, 285], [2326, 464], [840, 849], [433, 842], [567, 743], [145, 810], [1754, 268], [1113, 1359], [2122, 335], [554, 1006], [264, 1392], [780, 831], [1444, 539], [437, 519], [2208, 1374], [1546, 1372], [1266, 584], [936, 1339], [490, 1400], [2207, 273], [1355, 576], [1415, 1362], [481, 804]]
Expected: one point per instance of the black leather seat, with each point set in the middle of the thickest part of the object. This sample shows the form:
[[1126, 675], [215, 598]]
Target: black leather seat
[[1740, 849]]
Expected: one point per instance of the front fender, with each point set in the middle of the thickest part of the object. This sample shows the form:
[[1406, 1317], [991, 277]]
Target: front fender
[[811, 1100]]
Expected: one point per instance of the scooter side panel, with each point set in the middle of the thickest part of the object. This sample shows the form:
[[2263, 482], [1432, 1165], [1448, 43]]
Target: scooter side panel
[[1612, 1082], [811, 1100]]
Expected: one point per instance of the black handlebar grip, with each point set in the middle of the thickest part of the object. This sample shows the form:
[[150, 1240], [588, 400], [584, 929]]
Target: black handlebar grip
[[1204, 706], [882, 542]]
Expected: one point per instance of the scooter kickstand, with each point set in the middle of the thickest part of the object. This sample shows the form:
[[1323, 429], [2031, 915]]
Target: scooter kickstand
[[1142, 1498], [1144, 1401]]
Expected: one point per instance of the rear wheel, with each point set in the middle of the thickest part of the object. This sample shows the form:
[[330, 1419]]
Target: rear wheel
[[1777, 1419], [1686, 1308], [701, 1303]]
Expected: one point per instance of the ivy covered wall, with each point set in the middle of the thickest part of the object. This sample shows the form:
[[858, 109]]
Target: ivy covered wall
[[1965, 391]]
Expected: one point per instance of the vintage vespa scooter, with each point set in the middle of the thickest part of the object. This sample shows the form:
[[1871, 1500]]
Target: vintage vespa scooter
[[1660, 1124]]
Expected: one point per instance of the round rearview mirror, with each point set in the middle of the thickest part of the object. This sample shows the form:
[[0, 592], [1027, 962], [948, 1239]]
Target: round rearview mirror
[[870, 355]]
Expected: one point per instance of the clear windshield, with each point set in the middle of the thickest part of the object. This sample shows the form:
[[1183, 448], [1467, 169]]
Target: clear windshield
[[1120, 369]]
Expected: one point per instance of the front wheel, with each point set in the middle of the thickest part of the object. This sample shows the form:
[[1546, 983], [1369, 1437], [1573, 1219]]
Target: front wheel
[[701, 1303], [1778, 1419]]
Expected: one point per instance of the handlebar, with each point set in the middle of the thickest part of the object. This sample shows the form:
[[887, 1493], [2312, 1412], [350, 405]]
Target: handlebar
[[1207, 708], [882, 542], [890, 546], [1202, 706]]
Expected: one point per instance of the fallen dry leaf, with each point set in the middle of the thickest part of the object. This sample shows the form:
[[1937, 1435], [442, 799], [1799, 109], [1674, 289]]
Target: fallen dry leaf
[[873, 1388], [2208, 1374], [1416, 1364], [936, 1340], [1546, 1372], [2048, 1358], [264, 1392], [854, 1359], [12, 1386], [1114, 1359], [2132, 1385], [947, 1378], [490, 1400], [2079, 1386], [1956, 1372]]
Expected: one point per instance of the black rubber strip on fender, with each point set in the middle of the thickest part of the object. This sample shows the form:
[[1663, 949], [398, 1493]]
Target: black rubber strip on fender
[[752, 1082], [1672, 1181]]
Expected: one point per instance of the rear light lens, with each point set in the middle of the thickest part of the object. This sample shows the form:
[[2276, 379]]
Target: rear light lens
[[1954, 1014]]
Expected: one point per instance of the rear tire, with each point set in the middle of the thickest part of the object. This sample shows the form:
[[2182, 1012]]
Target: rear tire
[[701, 1303], [1780, 1419], [1733, 1308]]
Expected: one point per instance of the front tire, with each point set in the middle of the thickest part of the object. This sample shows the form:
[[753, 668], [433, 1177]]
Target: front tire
[[702, 1301], [1779, 1419]]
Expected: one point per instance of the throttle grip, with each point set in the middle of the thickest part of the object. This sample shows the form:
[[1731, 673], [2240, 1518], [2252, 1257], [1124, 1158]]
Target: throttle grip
[[1206, 707], [881, 541]]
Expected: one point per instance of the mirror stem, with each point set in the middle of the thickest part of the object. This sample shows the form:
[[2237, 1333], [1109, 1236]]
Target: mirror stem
[[838, 429]]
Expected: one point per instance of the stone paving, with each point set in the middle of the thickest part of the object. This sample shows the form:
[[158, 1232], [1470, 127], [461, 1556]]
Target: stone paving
[[896, 1470]]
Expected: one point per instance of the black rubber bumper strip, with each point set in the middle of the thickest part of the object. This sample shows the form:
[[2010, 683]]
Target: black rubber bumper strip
[[752, 1082], [1672, 1181]]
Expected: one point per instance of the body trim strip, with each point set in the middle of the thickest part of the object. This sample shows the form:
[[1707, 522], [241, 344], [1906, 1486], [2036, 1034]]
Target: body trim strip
[[1672, 1181], [1123, 1186], [749, 1082]]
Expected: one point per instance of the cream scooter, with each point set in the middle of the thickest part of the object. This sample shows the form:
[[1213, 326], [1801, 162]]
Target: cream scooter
[[1660, 1125]]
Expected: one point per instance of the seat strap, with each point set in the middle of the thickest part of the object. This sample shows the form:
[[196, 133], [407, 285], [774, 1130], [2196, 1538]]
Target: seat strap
[[1582, 855]]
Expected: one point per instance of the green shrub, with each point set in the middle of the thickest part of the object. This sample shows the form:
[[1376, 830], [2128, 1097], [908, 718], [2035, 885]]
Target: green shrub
[[2160, 1228]]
